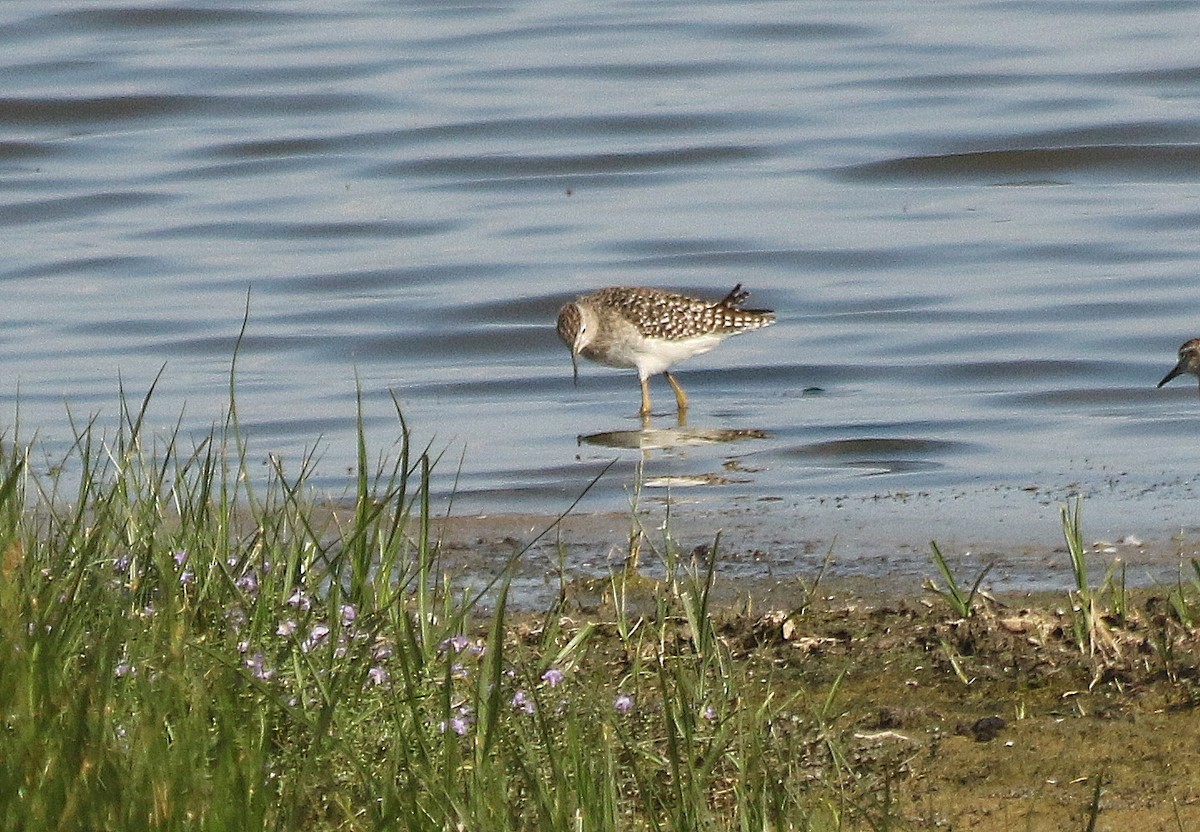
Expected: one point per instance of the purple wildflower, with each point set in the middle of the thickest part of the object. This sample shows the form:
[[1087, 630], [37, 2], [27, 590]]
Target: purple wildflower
[[300, 601], [377, 675], [286, 627], [459, 723], [457, 643], [552, 677], [257, 664], [623, 703], [315, 636], [522, 702], [248, 583], [349, 614]]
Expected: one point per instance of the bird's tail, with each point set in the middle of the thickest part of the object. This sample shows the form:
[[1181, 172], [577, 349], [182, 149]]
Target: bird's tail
[[736, 297]]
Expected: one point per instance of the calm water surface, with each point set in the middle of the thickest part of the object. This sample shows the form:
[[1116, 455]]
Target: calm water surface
[[979, 230]]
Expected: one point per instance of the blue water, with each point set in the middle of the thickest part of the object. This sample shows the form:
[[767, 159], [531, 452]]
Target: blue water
[[978, 229]]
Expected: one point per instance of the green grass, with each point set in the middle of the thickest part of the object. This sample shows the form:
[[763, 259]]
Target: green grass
[[189, 644], [963, 603], [1096, 609]]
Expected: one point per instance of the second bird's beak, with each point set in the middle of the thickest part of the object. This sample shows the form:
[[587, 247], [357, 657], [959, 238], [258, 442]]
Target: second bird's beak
[[1174, 372]]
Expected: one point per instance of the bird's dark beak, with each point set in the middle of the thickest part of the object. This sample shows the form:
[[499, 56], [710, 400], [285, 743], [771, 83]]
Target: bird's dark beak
[[1174, 372], [574, 368]]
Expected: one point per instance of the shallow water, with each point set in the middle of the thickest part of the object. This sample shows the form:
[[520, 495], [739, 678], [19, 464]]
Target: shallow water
[[978, 231]]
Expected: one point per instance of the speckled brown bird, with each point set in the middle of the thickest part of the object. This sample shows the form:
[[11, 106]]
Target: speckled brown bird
[[1189, 361], [652, 329]]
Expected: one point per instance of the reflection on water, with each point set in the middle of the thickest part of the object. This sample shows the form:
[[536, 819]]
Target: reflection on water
[[876, 457], [649, 439], [689, 481], [666, 461]]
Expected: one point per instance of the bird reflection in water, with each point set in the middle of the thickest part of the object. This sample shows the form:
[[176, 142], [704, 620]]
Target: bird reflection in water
[[682, 436]]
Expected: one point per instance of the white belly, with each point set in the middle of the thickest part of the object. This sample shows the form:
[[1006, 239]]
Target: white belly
[[651, 356]]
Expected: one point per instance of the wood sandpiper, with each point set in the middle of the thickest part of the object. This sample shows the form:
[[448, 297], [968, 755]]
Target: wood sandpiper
[[651, 329], [1189, 361]]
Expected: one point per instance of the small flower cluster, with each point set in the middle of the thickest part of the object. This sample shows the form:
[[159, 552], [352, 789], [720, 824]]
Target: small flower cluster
[[307, 624], [526, 701], [300, 626], [303, 622], [460, 721], [183, 572], [463, 655]]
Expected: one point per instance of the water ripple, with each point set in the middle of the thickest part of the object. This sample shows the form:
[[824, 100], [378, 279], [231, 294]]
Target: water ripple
[[1053, 165], [517, 165], [91, 205]]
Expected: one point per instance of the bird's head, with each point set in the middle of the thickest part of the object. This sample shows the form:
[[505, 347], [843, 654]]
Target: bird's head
[[1189, 361], [573, 330]]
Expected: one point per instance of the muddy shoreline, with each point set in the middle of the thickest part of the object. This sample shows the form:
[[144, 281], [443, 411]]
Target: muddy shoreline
[[881, 548]]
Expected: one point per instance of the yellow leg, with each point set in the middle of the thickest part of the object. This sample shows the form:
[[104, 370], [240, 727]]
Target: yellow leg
[[680, 396], [645, 397]]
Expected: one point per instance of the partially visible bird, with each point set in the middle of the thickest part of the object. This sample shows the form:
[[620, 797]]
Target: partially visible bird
[[1189, 361], [651, 330]]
